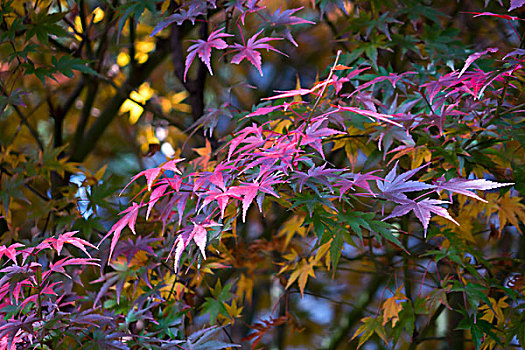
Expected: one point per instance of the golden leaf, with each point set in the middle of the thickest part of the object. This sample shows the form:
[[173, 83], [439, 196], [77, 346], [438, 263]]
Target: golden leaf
[[391, 307], [305, 268]]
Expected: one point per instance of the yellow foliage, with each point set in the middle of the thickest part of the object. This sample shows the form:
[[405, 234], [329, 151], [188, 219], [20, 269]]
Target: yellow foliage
[[304, 269], [123, 59], [98, 15], [494, 310], [245, 289], [509, 209], [391, 307], [291, 227], [144, 93], [233, 310]]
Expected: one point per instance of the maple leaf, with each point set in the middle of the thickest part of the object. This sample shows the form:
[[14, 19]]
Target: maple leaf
[[127, 220], [280, 18], [292, 226], [391, 307], [394, 186], [67, 237], [495, 309], [320, 174], [372, 114], [474, 57], [248, 50], [155, 196], [183, 15], [509, 209], [358, 180], [10, 251], [152, 174], [314, 134], [304, 269], [422, 209], [370, 326], [197, 233], [203, 49], [129, 248], [283, 18], [262, 327], [248, 192], [515, 4], [462, 186]]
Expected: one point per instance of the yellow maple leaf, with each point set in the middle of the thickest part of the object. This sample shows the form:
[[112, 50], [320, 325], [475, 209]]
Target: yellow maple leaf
[[233, 310], [509, 209], [245, 289], [304, 269], [392, 307], [494, 310], [291, 227]]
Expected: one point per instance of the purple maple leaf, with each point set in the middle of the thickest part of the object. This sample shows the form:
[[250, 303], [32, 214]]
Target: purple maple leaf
[[318, 173], [515, 4], [358, 180], [422, 210], [203, 49], [179, 17], [462, 186], [248, 50], [285, 18], [314, 134], [394, 186]]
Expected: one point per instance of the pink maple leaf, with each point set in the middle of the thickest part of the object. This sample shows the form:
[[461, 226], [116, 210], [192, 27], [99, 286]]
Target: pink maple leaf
[[127, 220], [58, 243], [203, 49], [197, 233], [155, 196], [10, 251], [248, 50], [507, 17], [474, 57], [152, 174], [248, 192], [462, 186]]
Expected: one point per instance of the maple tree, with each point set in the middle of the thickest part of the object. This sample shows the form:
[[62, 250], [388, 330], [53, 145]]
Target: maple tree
[[210, 174]]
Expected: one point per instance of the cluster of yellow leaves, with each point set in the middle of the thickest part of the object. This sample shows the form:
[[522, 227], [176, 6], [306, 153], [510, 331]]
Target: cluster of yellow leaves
[[304, 268], [509, 209], [292, 226], [136, 100], [494, 310], [491, 312]]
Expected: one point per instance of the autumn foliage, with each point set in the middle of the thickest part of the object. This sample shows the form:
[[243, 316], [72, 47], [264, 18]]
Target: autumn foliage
[[244, 174]]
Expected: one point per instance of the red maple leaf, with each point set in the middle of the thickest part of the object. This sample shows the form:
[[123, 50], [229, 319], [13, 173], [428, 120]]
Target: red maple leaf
[[203, 49], [248, 50]]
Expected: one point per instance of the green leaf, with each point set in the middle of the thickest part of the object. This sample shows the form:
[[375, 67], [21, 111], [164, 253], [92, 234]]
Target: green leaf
[[66, 64]]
